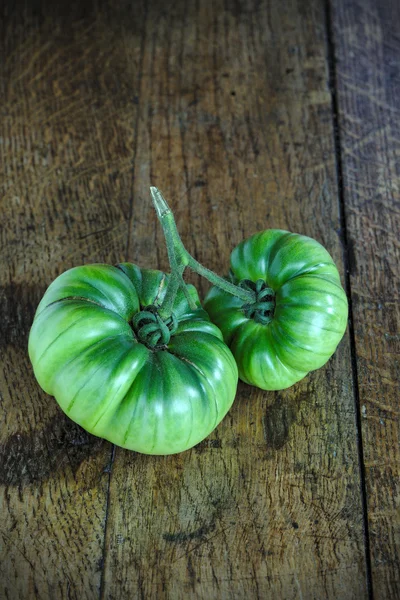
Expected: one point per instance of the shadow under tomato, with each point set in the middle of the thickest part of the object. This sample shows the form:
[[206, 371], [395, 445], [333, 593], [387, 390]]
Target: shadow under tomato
[[282, 413], [27, 458]]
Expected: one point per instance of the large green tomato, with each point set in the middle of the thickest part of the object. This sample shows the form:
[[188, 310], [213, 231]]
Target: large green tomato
[[300, 315], [160, 398]]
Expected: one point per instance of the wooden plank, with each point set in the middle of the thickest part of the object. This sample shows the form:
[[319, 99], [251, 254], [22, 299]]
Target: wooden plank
[[67, 87], [367, 51], [235, 127]]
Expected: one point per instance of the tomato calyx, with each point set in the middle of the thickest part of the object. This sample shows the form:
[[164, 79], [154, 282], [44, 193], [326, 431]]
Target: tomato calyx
[[151, 329], [262, 309]]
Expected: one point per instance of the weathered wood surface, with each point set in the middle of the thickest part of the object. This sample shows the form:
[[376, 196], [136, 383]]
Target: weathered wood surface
[[367, 48], [227, 107], [66, 157], [235, 125]]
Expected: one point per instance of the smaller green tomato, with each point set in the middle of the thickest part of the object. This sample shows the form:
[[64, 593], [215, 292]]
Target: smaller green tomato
[[116, 368], [300, 313]]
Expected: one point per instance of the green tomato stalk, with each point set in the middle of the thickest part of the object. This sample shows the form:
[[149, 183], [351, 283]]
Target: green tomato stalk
[[287, 313], [179, 259]]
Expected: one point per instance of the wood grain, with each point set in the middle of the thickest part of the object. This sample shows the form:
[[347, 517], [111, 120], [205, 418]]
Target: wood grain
[[227, 107], [66, 152], [235, 127], [367, 48]]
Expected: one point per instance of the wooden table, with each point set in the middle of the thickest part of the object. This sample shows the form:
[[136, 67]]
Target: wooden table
[[248, 114]]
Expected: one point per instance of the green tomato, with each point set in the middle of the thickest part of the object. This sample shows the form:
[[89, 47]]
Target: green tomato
[[156, 399], [300, 315]]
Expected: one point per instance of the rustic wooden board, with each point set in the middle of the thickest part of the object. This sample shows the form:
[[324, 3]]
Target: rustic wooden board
[[66, 151], [226, 107], [235, 126], [367, 47]]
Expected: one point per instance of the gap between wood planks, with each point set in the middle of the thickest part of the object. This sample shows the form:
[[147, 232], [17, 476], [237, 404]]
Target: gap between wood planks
[[332, 81]]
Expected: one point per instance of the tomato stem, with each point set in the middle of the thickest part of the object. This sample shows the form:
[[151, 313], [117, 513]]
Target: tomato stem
[[165, 309], [179, 259]]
